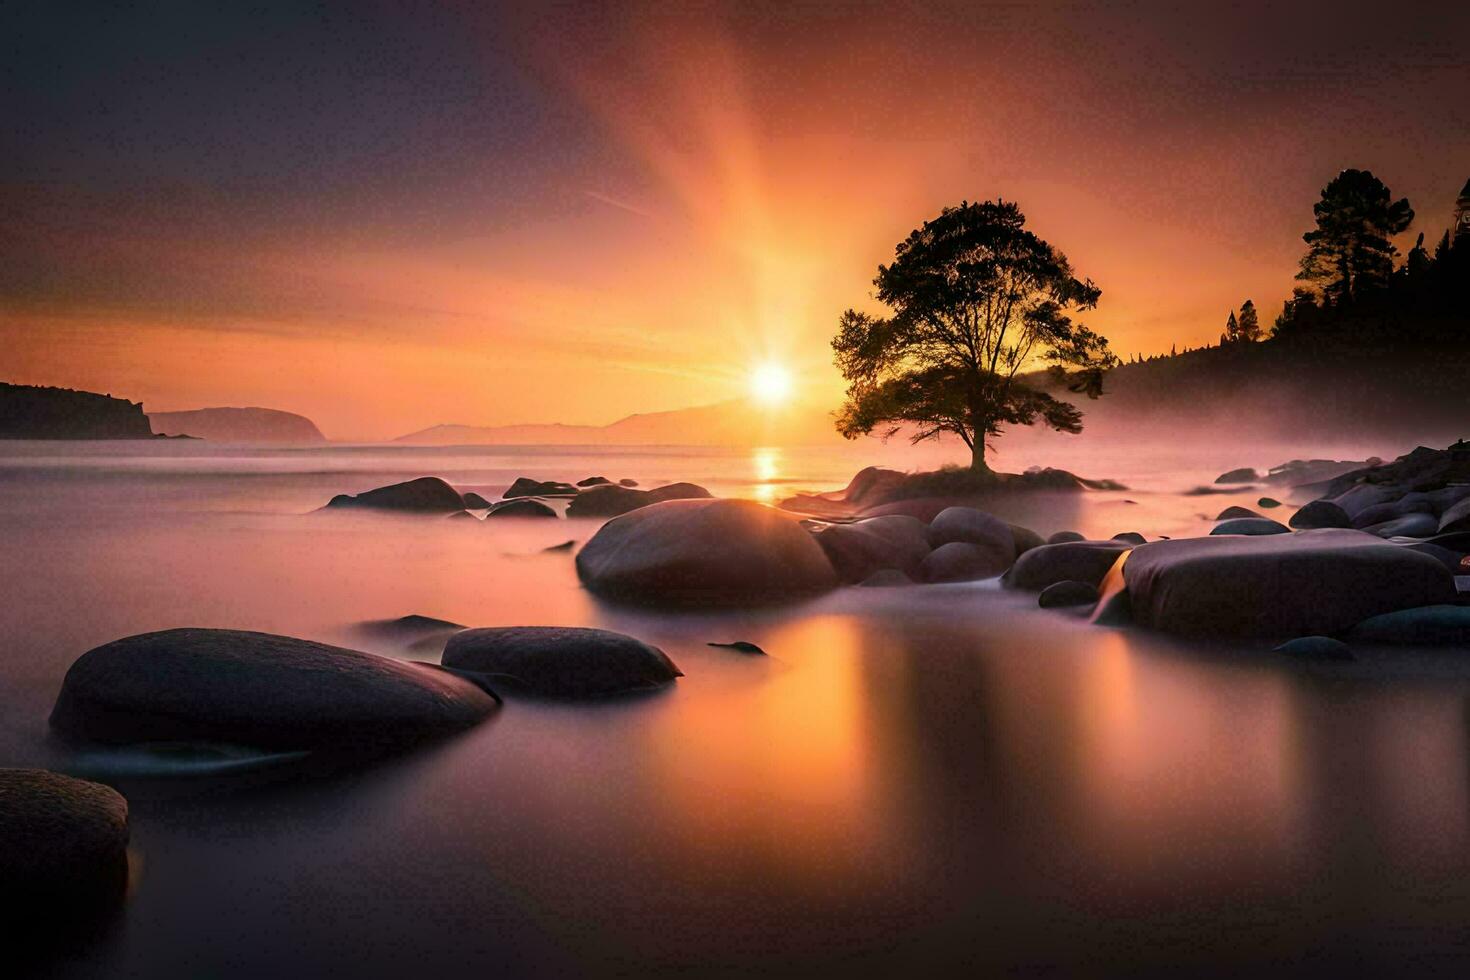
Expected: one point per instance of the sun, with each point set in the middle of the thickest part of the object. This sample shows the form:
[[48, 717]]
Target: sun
[[770, 384]]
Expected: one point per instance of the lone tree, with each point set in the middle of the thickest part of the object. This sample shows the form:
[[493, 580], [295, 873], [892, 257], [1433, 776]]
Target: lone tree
[[1247, 329], [976, 299], [1350, 249]]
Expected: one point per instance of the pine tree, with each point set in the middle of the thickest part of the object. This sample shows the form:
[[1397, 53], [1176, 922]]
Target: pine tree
[[1249, 327]]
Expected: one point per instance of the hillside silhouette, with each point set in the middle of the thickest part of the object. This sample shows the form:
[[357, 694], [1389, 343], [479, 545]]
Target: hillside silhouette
[[32, 412]]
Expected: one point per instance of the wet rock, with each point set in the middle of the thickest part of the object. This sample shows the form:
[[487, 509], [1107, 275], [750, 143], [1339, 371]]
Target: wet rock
[[886, 578], [714, 551], [1250, 525], [1359, 498], [521, 507], [625, 482], [564, 546], [1025, 539], [1394, 509], [561, 661], [1321, 514], [406, 629], [593, 481], [859, 549], [1408, 526], [1062, 537], [1079, 561], [614, 500], [1320, 581], [526, 487], [971, 526], [1316, 648], [1064, 594], [1431, 625], [1243, 475], [1456, 518], [1268, 502], [1130, 537], [426, 495], [261, 690], [474, 501], [960, 561], [1231, 513], [743, 646], [63, 853]]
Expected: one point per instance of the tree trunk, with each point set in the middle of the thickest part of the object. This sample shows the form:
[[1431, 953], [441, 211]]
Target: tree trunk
[[977, 457]]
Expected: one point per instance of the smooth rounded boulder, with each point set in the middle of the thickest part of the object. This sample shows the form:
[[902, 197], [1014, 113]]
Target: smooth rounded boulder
[[259, 690], [1231, 513], [971, 526], [1408, 526], [859, 549], [426, 495], [63, 850], [1243, 475], [1250, 525], [961, 561], [1063, 537], [1312, 582], [561, 661], [1320, 514], [1078, 561], [704, 551], [1065, 594]]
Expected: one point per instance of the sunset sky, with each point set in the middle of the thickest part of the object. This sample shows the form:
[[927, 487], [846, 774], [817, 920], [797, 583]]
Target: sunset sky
[[386, 216]]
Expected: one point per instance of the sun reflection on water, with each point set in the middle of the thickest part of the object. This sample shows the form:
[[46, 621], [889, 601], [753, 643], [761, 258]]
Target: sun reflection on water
[[766, 466]]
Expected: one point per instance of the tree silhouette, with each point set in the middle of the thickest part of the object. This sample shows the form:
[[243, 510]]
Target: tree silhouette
[[1232, 330], [1249, 328], [976, 299], [1349, 251]]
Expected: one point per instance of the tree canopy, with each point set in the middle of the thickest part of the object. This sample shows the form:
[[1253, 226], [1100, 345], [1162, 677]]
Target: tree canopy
[[1350, 250], [979, 303]]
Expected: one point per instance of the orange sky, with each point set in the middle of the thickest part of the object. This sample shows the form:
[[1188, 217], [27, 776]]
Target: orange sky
[[493, 219]]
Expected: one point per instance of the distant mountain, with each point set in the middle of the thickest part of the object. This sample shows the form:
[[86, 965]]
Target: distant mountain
[[239, 425], [30, 412], [732, 423]]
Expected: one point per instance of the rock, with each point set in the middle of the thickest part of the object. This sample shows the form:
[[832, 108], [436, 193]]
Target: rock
[[474, 501], [63, 853], [1080, 561], [1316, 648], [971, 526], [1456, 518], [561, 661], [1243, 475], [1231, 513], [1062, 537], [743, 646], [406, 629], [1394, 509], [1063, 594], [426, 495], [521, 507], [960, 561], [1320, 581], [1025, 539], [1130, 537], [526, 487], [1321, 514], [717, 551], [1455, 561], [1359, 498], [259, 690], [1250, 525], [625, 482], [564, 546], [1268, 502], [885, 579], [593, 481], [1408, 526], [613, 500], [1429, 625], [859, 549]]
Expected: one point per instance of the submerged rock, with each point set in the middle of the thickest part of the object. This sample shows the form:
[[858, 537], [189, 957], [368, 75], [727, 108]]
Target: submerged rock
[[719, 551], [1130, 537], [961, 561], [1438, 625], [859, 549], [1079, 561], [1316, 648], [1321, 514], [474, 501], [593, 481], [561, 661], [1243, 475], [426, 495], [1063, 537], [743, 646], [1268, 502], [521, 507], [1277, 585], [1231, 513], [527, 487], [1064, 594], [261, 690], [613, 500], [1408, 526], [1250, 525], [63, 852]]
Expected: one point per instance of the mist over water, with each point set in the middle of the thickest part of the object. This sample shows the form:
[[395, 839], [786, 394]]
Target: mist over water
[[913, 779]]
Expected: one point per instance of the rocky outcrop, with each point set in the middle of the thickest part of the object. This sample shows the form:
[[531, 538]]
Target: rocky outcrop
[[704, 551], [557, 661], [426, 495], [30, 412], [259, 690]]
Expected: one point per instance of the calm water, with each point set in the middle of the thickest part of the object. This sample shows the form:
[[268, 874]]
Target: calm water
[[914, 780]]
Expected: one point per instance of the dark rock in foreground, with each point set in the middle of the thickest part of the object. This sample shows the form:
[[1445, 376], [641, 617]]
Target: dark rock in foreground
[[718, 551], [1064, 594], [1277, 585], [260, 690], [613, 500], [859, 549], [426, 495], [1077, 561], [557, 661], [1250, 525], [1443, 625], [1316, 648], [63, 851], [1321, 514]]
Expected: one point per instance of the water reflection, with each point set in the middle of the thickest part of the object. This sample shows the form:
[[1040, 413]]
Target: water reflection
[[766, 465]]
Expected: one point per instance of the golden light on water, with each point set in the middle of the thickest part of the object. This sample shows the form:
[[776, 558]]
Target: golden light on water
[[766, 466]]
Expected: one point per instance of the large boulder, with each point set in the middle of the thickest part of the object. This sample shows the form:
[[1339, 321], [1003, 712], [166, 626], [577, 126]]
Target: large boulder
[[1443, 625], [1064, 594], [859, 549], [972, 527], [561, 661], [961, 561], [1075, 561], [259, 690], [717, 551], [426, 495], [1025, 539], [1456, 518], [524, 486], [1321, 514], [63, 851], [613, 500], [1250, 525], [1313, 582]]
